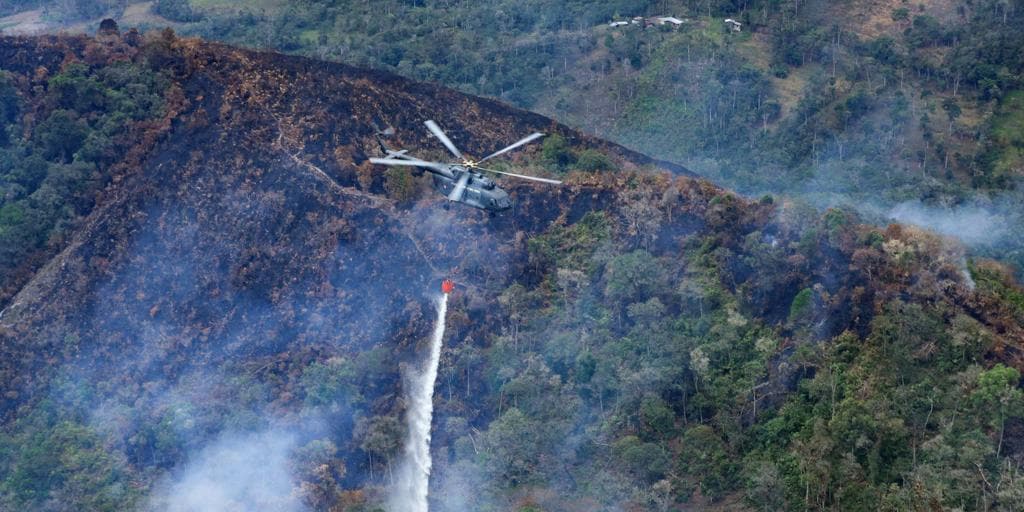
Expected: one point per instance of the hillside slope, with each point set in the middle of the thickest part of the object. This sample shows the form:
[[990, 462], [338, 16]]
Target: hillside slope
[[902, 110], [245, 281], [291, 138]]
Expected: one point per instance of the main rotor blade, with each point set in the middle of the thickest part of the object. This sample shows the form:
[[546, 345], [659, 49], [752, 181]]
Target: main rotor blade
[[436, 130], [460, 187], [526, 140], [523, 176], [413, 162]]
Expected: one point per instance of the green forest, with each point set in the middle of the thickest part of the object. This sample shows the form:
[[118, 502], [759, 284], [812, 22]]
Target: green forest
[[52, 169]]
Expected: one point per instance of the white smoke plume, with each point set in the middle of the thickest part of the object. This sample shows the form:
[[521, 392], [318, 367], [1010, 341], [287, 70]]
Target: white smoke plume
[[410, 492], [238, 472], [974, 225]]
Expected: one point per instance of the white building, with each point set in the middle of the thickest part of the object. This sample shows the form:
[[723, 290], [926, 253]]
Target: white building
[[670, 19], [735, 25]]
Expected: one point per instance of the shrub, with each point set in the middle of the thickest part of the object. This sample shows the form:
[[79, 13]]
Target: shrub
[[592, 160]]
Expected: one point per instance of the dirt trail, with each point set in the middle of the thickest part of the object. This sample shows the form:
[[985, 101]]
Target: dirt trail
[[374, 200]]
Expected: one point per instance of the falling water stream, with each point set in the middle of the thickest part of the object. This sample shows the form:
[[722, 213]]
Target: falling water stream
[[410, 492]]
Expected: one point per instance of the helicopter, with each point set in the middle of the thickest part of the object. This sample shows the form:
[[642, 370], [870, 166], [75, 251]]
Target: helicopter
[[463, 182]]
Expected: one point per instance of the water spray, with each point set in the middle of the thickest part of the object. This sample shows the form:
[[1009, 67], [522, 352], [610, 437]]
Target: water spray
[[410, 492]]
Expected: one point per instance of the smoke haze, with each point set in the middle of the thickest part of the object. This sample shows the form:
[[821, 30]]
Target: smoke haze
[[237, 472], [972, 224]]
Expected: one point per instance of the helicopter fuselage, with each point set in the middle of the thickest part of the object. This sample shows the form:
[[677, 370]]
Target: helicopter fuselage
[[464, 182], [481, 192]]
